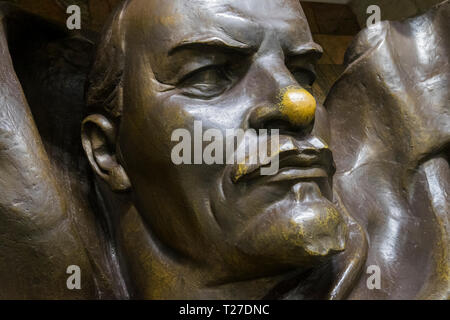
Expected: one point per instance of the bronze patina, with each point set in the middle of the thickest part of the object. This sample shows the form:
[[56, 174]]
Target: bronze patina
[[363, 181]]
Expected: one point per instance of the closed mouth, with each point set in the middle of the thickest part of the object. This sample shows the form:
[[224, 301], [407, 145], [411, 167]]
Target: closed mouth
[[293, 164]]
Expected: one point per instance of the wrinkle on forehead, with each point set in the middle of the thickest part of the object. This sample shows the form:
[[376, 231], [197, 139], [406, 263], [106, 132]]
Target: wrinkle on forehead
[[258, 11], [160, 24], [168, 12]]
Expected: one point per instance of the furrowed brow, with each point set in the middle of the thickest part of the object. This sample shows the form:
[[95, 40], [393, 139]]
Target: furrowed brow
[[214, 42], [310, 49]]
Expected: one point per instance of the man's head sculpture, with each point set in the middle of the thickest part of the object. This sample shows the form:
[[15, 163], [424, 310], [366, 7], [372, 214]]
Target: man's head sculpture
[[213, 231]]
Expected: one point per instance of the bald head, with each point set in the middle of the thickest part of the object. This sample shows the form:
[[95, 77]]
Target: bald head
[[161, 26]]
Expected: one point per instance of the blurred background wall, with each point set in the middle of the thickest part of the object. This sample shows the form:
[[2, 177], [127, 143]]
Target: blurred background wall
[[391, 9], [333, 23]]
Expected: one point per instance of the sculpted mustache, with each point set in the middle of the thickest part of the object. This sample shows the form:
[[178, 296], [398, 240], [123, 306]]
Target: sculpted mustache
[[287, 155]]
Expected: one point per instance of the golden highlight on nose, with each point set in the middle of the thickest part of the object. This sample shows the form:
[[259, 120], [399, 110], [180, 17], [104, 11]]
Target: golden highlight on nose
[[298, 105]]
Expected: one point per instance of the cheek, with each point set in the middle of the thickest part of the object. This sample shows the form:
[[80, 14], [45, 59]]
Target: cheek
[[145, 141], [136, 143], [321, 124]]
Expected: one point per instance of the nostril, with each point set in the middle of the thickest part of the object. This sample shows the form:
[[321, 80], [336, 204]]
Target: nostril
[[284, 126], [310, 151], [279, 124]]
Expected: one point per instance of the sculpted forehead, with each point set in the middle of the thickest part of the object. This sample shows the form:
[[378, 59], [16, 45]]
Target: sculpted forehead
[[162, 24]]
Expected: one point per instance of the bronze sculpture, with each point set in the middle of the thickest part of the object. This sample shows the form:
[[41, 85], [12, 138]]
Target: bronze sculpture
[[400, 135], [208, 231]]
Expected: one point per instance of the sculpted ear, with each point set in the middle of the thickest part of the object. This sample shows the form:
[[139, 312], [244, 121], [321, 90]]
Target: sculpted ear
[[98, 135]]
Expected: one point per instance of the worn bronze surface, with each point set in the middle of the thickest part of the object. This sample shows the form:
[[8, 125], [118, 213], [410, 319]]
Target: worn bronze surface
[[140, 226], [391, 140]]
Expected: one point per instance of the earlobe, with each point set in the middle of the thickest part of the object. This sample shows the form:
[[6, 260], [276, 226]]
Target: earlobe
[[118, 179], [98, 135]]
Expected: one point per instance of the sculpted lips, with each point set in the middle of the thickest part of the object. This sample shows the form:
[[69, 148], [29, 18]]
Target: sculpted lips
[[307, 159]]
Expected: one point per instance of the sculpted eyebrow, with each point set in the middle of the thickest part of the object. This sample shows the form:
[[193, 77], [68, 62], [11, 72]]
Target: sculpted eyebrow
[[312, 50], [213, 42]]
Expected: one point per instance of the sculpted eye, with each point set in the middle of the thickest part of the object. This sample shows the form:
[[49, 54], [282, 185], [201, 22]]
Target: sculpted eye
[[206, 82], [304, 77]]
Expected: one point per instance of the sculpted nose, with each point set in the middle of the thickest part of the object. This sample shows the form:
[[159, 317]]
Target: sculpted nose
[[293, 112], [298, 105], [284, 104]]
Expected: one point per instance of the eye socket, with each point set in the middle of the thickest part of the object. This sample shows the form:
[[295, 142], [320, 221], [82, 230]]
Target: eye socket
[[304, 77], [206, 82]]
